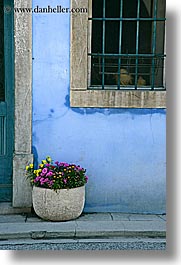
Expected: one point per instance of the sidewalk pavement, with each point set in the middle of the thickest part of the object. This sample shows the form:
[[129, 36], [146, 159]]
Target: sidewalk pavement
[[87, 226]]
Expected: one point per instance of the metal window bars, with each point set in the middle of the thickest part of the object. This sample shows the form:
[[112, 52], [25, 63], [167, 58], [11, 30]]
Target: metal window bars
[[130, 65]]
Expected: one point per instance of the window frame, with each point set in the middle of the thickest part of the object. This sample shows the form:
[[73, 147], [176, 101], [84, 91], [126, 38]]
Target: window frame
[[80, 95]]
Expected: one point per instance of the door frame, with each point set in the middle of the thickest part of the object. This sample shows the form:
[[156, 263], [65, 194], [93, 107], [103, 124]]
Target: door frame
[[22, 104]]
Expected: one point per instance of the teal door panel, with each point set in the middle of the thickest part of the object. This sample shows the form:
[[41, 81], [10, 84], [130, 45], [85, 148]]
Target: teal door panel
[[6, 102]]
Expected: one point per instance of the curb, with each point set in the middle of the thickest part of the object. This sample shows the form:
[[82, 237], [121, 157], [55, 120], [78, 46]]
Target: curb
[[63, 235], [75, 230]]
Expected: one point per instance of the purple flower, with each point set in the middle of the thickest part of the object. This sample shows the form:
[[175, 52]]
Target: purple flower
[[44, 171], [65, 181], [37, 179], [64, 164], [56, 163], [51, 182], [79, 168], [86, 178], [49, 174]]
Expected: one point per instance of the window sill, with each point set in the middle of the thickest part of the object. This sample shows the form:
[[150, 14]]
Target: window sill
[[117, 99]]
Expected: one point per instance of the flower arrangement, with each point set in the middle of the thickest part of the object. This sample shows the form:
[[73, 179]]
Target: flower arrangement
[[58, 175]]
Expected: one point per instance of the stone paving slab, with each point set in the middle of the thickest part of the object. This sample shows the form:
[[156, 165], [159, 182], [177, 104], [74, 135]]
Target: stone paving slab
[[144, 217], [99, 229], [142, 225], [6, 208], [120, 216], [136, 217], [12, 218], [95, 217]]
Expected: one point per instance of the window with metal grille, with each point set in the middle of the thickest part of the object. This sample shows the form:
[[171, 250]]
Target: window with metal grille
[[126, 47], [117, 54]]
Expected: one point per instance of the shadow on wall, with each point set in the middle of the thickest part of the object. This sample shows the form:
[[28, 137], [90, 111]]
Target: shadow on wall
[[109, 111], [35, 154]]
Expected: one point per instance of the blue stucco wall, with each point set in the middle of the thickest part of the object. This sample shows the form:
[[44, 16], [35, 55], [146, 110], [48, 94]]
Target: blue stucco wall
[[123, 150]]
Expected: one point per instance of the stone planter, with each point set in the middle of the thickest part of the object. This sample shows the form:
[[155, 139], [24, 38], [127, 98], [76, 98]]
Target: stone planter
[[60, 205]]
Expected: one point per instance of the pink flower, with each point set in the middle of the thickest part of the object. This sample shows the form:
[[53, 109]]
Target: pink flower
[[51, 182], [37, 179], [44, 171], [79, 168], [46, 180], [49, 174], [65, 181], [64, 164]]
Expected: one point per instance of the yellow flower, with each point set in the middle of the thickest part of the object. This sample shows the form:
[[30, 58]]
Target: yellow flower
[[48, 158], [35, 171], [31, 165], [44, 161], [27, 167], [41, 165]]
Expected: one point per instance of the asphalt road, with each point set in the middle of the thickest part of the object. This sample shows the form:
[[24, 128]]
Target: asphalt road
[[99, 244]]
